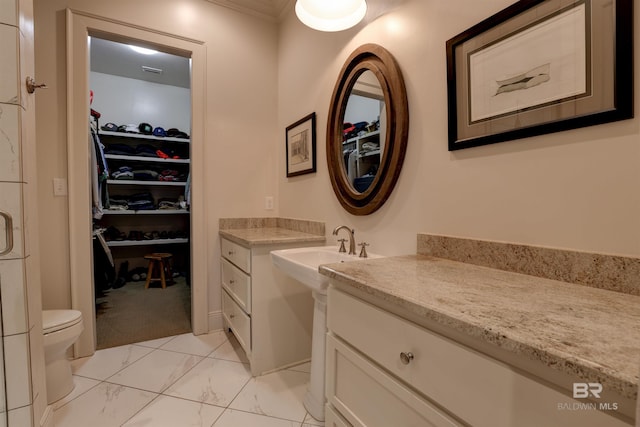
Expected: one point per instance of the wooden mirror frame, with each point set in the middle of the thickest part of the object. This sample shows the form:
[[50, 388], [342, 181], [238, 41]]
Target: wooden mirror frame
[[377, 59]]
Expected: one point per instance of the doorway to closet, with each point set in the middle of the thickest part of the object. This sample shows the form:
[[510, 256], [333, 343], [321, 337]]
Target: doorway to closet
[[140, 126], [80, 26]]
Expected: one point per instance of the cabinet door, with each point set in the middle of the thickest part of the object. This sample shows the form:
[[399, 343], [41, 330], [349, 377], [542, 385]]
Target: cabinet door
[[368, 397], [238, 321]]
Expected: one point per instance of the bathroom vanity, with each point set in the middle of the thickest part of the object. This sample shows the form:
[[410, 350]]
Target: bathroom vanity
[[419, 340], [268, 312]]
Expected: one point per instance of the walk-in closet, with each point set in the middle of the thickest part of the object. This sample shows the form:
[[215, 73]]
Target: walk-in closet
[[140, 123]]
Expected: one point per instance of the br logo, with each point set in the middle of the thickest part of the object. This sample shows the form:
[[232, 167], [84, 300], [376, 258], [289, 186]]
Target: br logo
[[585, 390]]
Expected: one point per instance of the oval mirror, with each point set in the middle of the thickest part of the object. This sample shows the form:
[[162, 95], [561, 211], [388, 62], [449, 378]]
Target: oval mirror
[[367, 129]]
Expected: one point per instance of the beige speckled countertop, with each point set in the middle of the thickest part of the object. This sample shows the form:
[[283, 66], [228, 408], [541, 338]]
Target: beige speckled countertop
[[590, 333], [269, 235]]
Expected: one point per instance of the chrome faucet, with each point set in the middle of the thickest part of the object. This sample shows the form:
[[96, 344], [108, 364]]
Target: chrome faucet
[[352, 240]]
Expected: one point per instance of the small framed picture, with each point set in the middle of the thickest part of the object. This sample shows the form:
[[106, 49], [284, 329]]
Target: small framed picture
[[301, 146]]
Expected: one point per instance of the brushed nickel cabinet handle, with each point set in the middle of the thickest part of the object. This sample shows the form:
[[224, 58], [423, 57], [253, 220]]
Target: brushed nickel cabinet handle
[[8, 232], [406, 358]]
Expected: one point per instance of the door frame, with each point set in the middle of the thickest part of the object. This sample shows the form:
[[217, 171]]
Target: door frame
[[80, 26]]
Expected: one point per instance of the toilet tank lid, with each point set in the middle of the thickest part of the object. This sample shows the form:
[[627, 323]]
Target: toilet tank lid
[[54, 320]]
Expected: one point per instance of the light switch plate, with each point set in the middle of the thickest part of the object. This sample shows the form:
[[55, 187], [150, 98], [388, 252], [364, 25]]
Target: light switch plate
[[60, 187], [268, 203]]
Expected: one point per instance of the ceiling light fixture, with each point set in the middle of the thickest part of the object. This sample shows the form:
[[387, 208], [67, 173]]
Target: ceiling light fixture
[[143, 50], [331, 15]]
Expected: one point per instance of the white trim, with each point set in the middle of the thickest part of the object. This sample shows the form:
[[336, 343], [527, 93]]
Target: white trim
[[215, 321], [79, 27], [47, 417]]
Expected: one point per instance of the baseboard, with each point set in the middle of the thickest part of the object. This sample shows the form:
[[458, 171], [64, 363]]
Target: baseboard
[[215, 321]]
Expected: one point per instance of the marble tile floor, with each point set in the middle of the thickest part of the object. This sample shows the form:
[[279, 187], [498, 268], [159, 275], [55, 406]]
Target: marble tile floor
[[182, 381]]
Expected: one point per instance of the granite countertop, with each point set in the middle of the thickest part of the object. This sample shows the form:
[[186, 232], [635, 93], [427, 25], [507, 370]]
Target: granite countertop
[[269, 235], [590, 333]]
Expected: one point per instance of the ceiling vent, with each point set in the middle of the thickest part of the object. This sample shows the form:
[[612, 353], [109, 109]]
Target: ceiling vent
[[151, 70]]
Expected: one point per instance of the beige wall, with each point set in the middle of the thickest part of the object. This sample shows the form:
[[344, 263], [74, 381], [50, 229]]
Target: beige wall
[[578, 189], [240, 117]]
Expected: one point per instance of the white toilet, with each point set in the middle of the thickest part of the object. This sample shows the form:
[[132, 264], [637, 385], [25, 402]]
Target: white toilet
[[61, 328]]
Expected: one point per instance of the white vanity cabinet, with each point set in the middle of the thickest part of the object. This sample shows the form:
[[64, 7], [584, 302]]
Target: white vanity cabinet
[[384, 370], [270, 314]]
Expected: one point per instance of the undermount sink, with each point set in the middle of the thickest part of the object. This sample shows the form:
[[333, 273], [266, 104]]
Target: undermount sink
[[302, 263]]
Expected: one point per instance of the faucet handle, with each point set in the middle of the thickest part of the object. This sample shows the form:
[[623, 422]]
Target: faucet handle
[[363, 251], [342, 248]]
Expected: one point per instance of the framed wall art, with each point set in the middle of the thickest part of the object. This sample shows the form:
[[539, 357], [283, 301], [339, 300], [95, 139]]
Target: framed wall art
[[301, 146], [540, 66]]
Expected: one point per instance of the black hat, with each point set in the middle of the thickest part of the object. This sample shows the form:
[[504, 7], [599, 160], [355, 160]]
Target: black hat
[[112, 127], [175, 133], [145, 128]]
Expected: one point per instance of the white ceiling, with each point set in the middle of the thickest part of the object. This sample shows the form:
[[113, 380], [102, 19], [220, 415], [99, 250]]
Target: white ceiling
[[118, 59], [269, 9]]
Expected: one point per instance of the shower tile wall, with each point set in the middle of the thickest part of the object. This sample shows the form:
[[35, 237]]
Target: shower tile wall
[[23, 400]]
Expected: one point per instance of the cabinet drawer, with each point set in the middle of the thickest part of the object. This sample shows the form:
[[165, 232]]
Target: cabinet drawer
[[366, 396], [237, 283], [479, 390], [238, 321], [238, 255]]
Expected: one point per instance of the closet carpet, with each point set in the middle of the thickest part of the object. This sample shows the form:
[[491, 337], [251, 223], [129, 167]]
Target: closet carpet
[[133, 314]]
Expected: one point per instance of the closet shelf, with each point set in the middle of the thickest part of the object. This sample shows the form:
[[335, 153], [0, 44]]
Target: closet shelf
[[140, 136], [145, 212], [121, 243], [358, 138], [145, 159], [137, 182], [370, 153]]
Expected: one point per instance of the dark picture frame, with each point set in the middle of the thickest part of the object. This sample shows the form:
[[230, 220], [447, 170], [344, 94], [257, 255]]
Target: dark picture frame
[[509, 77], [300, 146]]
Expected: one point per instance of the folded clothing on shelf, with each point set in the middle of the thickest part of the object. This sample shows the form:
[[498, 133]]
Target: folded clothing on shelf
[[118, 203], [369, 146], [168, 204], [141, 201], [123, 172], [146, 150], [145, 175], [122, 149], [111, 233], [164, 151]]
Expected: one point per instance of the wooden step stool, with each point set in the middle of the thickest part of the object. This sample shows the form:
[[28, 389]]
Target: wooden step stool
[[160, 265]]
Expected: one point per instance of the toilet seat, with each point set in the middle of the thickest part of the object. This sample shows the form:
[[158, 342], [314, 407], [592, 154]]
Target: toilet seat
[[55, 320]]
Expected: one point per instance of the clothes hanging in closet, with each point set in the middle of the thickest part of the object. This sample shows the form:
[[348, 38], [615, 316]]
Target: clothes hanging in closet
[[99, 174]]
